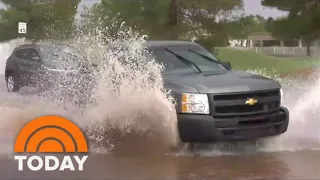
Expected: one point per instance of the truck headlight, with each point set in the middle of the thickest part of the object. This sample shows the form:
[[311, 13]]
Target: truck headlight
[[281, 96], [195, 103]]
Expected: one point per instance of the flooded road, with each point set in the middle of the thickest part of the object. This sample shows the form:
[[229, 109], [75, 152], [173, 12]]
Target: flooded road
[[293, 155], [282, 165]]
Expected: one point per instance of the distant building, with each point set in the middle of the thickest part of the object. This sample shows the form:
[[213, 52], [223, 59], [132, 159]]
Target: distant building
[[263, 39]]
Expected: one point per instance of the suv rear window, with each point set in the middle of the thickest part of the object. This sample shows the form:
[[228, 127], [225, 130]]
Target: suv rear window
[[61, 57], [27, 53], [21, 53]]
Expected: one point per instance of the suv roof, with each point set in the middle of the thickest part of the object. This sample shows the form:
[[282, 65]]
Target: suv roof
[[149, 43], [154, 43], [27, 45], [38, 45]]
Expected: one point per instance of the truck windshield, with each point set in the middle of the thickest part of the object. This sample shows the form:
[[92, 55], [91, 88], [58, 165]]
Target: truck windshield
[[184, 60]]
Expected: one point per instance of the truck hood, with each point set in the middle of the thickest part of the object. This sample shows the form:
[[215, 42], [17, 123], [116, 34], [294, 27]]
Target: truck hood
[[221, 82]]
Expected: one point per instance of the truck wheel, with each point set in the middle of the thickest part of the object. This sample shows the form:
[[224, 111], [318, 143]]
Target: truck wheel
[[12, 83]]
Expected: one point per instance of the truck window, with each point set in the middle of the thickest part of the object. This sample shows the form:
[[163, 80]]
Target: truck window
[[173, 64], [170, 61]]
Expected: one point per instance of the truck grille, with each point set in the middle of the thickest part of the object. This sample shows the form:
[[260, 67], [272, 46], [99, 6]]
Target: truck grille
[[234, 104]]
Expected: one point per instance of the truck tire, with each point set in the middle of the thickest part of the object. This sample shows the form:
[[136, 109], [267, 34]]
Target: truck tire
[[12, 83]]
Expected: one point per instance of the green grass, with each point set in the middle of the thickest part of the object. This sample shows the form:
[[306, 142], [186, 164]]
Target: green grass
[[244, 60]]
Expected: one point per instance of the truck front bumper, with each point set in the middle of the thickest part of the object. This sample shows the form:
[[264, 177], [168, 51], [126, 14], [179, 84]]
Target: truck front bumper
[[206, 128]]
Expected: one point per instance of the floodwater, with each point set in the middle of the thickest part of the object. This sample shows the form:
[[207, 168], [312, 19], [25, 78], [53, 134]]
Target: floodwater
[[293, 155], [282, 165]]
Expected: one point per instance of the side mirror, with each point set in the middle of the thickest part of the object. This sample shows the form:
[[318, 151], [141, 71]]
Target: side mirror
[[227, 65]]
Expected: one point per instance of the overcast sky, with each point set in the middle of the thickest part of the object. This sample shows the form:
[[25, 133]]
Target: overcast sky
[[251, 7]]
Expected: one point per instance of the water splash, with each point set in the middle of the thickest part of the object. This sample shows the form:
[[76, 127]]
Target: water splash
[[137, 117], [130, 107]]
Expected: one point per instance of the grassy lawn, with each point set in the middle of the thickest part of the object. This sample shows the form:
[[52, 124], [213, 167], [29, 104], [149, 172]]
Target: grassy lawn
[[244, 60]]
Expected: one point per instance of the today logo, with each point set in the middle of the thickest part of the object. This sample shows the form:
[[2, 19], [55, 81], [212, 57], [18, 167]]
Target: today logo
[[50, 134]]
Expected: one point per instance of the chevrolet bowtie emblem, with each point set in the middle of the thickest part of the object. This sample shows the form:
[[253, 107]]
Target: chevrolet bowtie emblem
[[251, 102]]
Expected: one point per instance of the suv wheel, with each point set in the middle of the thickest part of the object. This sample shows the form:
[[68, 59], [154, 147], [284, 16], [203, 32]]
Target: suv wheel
[[12, 84]]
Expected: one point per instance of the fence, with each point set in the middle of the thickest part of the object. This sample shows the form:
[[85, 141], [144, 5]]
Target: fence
[[282, 51]]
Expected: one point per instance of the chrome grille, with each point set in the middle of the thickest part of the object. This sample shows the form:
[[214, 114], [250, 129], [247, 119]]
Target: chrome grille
[[234, 104]]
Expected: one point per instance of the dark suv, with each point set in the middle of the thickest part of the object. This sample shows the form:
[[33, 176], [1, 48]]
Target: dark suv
[[47, 67]]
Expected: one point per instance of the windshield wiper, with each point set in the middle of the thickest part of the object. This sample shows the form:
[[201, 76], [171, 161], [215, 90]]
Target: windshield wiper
[[184, 60], [206, 57]]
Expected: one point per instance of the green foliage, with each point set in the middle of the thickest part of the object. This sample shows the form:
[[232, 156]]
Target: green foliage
[[244, 26], [9, 22], [96, 20], [46, 20], [202, 15], [302, 22], [209, 42], [161, 19], [279, 28], [283, 5], [148, 16]]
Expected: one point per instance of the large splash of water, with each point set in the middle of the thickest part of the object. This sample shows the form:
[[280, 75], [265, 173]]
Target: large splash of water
[[137, 116]]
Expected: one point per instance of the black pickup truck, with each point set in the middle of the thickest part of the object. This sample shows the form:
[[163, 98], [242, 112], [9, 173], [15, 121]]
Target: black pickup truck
[[214, 103]]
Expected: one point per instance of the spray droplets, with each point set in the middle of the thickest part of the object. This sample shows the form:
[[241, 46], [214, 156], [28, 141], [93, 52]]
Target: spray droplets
[[129, 110], [127, 99]]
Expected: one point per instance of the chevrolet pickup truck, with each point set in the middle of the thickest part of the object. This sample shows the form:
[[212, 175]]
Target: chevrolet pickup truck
[[214, 103]]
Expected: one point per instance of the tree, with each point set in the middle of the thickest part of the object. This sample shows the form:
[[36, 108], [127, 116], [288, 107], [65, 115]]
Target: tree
[[302, 21], [168, 19], [207, 16], [45, 19], [246, 25], [173, 18]]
